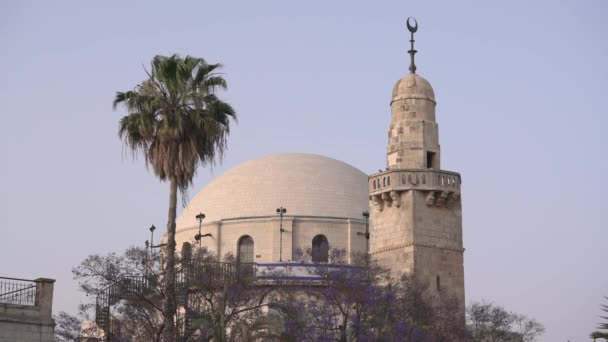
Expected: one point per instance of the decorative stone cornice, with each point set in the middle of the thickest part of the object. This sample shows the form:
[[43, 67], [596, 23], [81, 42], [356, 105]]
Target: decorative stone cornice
[[378, 202], [442, 199], [430, 198], [439, 199], [409, 244], [395, 198], [226, 221]]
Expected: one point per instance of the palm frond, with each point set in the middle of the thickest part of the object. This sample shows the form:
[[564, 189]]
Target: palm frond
[[175, 119]]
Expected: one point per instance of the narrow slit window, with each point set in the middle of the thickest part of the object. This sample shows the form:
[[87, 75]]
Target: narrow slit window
[[430, 160]]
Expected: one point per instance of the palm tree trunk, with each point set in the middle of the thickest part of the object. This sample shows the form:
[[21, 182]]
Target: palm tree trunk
[[170, 307]]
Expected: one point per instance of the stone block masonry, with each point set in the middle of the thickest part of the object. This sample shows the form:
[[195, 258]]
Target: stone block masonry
[[26, 308], [415, 206]]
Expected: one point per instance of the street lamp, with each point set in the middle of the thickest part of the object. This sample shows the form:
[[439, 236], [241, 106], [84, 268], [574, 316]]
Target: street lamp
[[366, 234], [150, 244], [280, 212], [152, 228], [198, 237]]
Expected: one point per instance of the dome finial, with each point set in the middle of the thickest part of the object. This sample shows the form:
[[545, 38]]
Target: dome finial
[[412, 52]]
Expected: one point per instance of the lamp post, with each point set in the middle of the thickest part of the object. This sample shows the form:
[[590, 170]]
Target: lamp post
[[152, 228], [198, 237], [280, 212], [150, 244], [366, 234], [148, 262]]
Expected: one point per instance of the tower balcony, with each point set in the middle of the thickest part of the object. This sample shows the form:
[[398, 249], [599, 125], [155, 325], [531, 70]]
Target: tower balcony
[[442, 186]]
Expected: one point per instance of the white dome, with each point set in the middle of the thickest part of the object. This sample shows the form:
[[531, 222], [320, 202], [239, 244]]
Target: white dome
[[305, 184]]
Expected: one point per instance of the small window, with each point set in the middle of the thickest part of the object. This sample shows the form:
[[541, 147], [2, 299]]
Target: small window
[[438, 283], [320, 249], [430, 160]]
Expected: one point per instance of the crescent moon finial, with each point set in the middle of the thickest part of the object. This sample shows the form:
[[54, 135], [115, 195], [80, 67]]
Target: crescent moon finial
[[411, 28]]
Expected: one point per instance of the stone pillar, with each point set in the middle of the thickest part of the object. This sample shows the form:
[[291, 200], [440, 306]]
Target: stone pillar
[[44, 296], [288, 239], [218, 237], [282, 246], [349, 242]]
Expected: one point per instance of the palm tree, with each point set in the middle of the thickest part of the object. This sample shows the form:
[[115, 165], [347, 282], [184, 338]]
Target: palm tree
[[597, 334], [603, 326], [176, 122]]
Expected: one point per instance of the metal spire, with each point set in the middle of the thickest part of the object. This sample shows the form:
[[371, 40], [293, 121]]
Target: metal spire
[[412, 52]]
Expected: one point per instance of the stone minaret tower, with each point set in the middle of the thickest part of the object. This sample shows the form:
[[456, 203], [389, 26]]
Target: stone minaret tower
[[415, 207]]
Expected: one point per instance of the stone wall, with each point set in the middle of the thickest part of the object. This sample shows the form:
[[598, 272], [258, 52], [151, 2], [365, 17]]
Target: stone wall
[[341, 233], [422, 237], [29, 323]]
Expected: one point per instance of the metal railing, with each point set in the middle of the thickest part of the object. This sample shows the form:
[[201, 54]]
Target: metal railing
[[211, 274], [206, 275], [198, 273], [17, 291], [126, 287]]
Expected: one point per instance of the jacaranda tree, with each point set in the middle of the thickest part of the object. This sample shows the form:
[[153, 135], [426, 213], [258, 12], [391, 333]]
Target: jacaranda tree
[[176, 122]]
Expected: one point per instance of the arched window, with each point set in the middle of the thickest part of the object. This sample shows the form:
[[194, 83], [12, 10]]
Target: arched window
[[320, 249], [245, 252]]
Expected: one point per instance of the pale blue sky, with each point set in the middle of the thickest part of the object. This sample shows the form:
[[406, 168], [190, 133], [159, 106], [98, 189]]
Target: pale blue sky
[[521, 91]]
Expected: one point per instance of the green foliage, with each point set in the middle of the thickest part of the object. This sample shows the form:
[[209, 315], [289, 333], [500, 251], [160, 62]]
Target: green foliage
[[490, 322], [598, 334], [602, 326], [361, 302], [68, 328], [220, 301], [175, 120]]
